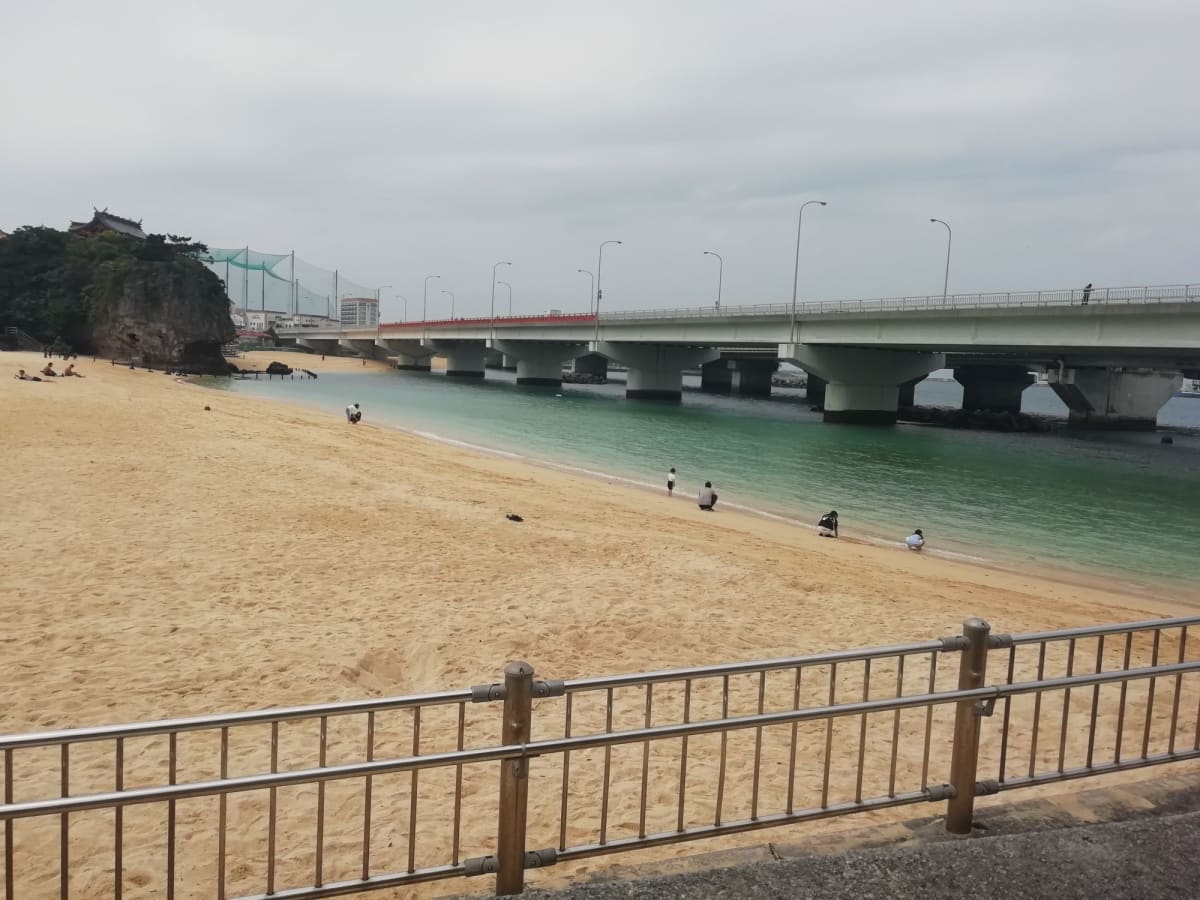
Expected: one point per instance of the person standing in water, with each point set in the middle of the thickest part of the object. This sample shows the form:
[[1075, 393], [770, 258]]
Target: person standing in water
[[671, 482]]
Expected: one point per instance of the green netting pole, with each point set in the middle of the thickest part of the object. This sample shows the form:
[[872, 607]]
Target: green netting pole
[[295, 298], [246, 288]]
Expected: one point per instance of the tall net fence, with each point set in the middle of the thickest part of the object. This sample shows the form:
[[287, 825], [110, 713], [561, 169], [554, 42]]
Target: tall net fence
[[281, 282]]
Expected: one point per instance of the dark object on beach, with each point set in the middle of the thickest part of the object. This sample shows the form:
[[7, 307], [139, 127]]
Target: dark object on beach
[[513, 517], [278, 368], [1167, 439], [208, 409]]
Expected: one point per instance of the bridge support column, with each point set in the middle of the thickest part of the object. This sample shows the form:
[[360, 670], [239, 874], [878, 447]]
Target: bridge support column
[[655, 370], [464, 359], [863, 385], [1117, 399], [591, 364], [752, 377], [538, 362], [716, 377], [993, 388], [409, 354], [359, 347], [815, 392], [907, 392]]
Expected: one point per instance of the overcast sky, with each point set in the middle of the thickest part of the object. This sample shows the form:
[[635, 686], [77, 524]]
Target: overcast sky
[[395, 140]]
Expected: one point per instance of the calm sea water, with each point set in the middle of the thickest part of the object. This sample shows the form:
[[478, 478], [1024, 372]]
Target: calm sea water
[[1103, 504]]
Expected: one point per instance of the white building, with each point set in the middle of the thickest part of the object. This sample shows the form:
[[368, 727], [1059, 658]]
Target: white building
[[360, 312]]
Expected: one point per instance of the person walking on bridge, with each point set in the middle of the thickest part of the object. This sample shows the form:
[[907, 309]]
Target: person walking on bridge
[[1087, 293]]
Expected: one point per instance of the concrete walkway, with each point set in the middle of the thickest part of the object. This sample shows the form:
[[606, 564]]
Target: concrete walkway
[[1144, 859]]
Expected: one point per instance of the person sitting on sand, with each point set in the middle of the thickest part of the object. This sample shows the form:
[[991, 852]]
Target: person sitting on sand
[[707, 498], [49, 371], [915, 541], [827, 525], [71, 371], [353, 414]]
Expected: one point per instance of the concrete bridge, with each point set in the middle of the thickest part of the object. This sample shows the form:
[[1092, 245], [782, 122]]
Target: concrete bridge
[[1114, 355]]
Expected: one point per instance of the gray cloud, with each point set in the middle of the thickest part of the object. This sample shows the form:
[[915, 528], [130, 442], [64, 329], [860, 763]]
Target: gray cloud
[[394, 140]]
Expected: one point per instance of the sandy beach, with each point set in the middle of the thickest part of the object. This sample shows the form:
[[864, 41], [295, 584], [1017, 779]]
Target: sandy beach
[[162, 560]]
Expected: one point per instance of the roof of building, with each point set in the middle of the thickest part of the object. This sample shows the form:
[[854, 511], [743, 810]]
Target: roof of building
[[359, 300], [102, 219]]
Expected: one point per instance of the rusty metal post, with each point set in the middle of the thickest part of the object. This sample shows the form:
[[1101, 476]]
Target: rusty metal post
[[514, 779], [972, 670]]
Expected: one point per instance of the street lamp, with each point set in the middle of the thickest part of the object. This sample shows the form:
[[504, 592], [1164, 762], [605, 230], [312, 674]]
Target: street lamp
[[509, 286], [599, 266], [404, 317], [425, 304], [377, 292], [503, 262], [720, 273], [796, 271], [451, 293], [591, 286], [949, 240]]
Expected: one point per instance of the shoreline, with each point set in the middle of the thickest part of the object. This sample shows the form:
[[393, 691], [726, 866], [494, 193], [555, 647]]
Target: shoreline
[[867, 534]]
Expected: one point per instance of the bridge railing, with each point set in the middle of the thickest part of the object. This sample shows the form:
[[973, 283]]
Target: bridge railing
[[1171, 293], [326, 800]]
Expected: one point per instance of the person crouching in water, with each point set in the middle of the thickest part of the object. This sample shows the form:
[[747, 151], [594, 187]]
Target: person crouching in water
[[707, 498], [915, 541], [353, 414], [827, 525]]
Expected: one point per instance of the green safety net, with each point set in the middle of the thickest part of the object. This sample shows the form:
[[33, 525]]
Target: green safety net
[[262, 281], [245, 258]]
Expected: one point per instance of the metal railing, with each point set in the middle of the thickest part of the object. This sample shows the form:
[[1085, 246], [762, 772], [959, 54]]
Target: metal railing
[[340, 798], [1151, 294]]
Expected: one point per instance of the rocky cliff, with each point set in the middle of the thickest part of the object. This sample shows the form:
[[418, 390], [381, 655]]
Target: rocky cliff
[[166, 313], [117, 296]]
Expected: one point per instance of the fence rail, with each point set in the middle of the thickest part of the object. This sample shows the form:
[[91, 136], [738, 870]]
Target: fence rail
[[331, 799], [1150, 294]]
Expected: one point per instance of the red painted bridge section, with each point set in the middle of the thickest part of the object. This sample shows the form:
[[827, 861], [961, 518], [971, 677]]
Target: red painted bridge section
[[569, 319]]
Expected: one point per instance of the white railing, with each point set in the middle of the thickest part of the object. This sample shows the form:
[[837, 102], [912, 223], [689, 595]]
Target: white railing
[[1169, 293]]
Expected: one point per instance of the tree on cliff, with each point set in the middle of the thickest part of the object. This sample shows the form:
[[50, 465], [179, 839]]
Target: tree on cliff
[[116, 295]]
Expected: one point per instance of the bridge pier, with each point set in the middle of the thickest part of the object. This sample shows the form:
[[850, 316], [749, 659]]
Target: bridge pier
[[745, 377], [907, 392], [591, 364], [359, 346], [716, 377], [464, 359], [655, 370], [993, 388], [814, 393], [538, 362], [863, 385], [409, 354], [1116, 399]]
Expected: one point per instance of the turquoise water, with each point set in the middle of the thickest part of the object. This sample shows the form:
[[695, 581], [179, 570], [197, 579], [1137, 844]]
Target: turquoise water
[[1112, 504]]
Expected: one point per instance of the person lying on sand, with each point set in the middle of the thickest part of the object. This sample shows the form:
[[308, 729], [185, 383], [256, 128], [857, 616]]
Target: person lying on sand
[[22, 375]]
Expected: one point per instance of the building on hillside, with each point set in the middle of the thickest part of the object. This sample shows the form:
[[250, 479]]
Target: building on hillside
[[360, 312], [103, 220]]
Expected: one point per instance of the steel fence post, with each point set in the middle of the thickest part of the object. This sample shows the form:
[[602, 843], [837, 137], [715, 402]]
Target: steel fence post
[[514, 779], [972, 670]]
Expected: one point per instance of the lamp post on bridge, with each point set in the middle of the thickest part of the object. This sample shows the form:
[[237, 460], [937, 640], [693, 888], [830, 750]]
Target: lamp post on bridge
[[451, 293], [599, 266], [378, 291], [404, 316], [509, 286], [425, 305], [720, 273], [949, 240], [796, 270], [492, 328], [591, 286]]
